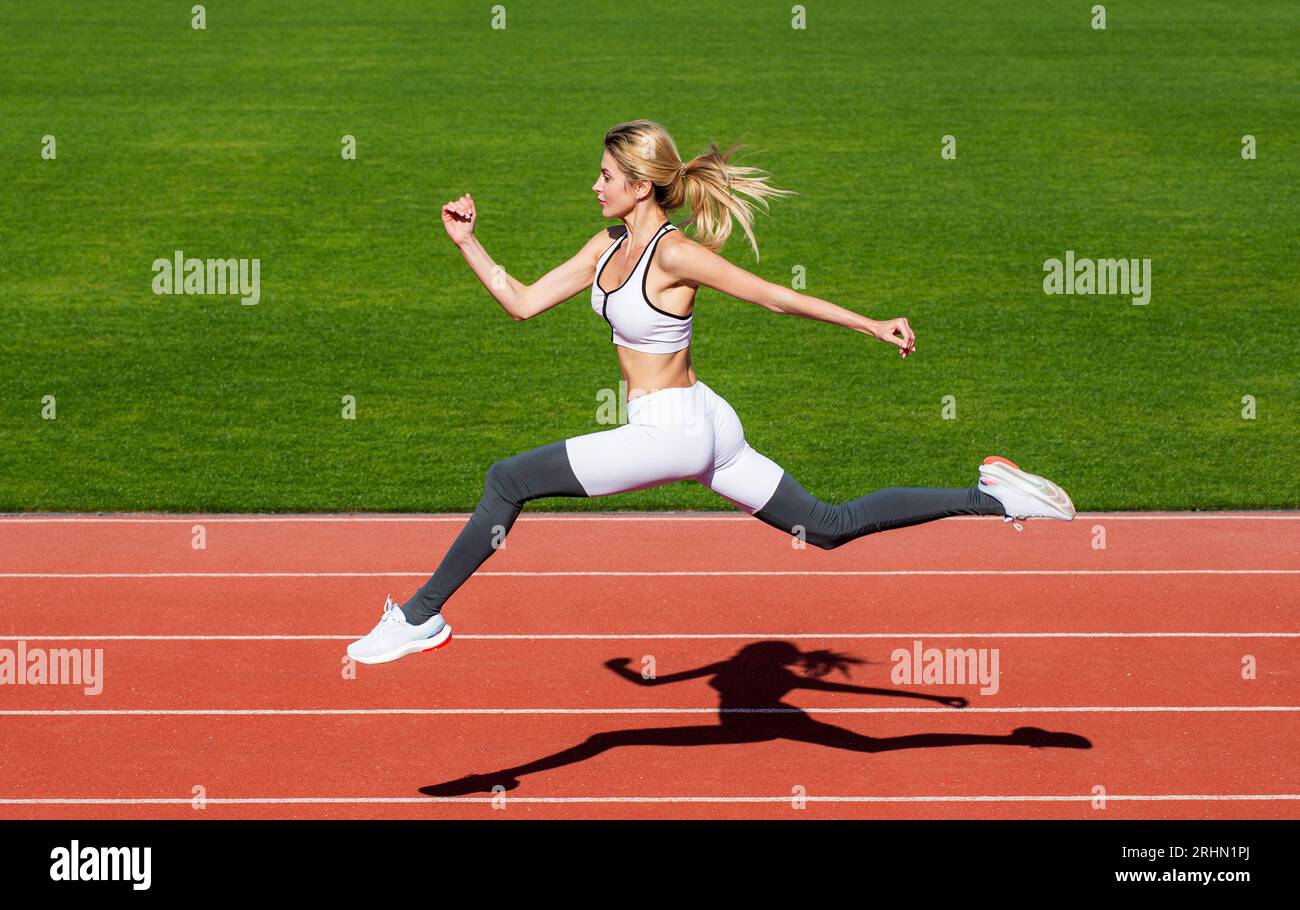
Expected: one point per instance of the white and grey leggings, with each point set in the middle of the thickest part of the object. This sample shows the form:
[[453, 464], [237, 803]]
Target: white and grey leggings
[[688, 433]]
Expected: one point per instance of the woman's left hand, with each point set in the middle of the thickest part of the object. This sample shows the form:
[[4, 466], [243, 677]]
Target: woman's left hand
[[896, 332]]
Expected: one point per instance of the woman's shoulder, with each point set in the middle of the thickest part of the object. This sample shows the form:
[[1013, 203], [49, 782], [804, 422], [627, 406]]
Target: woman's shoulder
[[605, 238], [672, 244]]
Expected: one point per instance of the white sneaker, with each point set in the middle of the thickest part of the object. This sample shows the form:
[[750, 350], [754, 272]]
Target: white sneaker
[[1023, 495], [394, 637]]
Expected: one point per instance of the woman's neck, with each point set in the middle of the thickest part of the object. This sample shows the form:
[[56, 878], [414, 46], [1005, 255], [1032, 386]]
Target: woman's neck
[[642, 223]]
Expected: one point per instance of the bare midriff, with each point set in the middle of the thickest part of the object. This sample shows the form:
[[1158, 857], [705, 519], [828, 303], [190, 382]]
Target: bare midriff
[[646, 373]]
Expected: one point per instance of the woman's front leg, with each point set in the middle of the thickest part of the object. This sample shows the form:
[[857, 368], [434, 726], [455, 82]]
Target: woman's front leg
[[539, 472]]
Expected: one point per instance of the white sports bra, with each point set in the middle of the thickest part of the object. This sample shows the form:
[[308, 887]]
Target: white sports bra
[[635, 322]]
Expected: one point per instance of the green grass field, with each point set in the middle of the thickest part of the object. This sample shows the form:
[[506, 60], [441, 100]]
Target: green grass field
[[225, 142]]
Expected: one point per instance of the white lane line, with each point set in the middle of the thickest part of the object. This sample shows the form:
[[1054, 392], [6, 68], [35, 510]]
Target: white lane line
[[671, 636], [358, 800], [362, 712], [657, 574], [462, 517]]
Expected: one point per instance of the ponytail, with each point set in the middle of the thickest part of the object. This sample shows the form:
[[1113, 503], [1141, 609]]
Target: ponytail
[[710, 183], [714, 187]]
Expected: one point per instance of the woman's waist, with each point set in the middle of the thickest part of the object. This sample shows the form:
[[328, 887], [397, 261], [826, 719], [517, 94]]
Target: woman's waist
[[645, 374], [689, 406], [637, 392]]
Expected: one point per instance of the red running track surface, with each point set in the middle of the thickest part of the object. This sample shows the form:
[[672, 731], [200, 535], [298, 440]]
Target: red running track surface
[[223, 671]]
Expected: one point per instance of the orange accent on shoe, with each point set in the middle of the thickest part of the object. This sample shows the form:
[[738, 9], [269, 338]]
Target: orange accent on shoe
[[437, 646], [998, 459]]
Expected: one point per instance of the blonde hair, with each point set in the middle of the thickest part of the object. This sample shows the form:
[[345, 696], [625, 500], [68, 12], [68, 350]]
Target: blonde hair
[[713, 185]]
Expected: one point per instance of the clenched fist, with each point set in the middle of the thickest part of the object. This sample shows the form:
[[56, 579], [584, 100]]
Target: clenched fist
[[458, 218]]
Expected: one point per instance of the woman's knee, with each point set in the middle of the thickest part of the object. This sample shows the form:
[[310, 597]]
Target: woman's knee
[[827, 539], [500, 478], [807, 528], [543, 471], [797, 512]]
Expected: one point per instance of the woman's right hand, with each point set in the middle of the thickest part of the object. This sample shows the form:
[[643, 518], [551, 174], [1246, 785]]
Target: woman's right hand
[[458, 217]]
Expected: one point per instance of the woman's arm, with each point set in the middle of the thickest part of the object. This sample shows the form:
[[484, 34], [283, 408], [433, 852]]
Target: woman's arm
[[692, 262], [521, 301]]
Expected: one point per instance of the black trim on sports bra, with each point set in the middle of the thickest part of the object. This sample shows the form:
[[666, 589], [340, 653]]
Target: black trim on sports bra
[[634, 268], [608, 257], [604, 304], [646, 296]]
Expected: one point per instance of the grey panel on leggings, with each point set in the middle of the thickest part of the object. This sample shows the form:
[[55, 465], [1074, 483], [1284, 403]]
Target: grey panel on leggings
[[829, 525], [539, 472]]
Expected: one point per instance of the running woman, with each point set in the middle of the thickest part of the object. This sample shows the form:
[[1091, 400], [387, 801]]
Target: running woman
[[678, 428]]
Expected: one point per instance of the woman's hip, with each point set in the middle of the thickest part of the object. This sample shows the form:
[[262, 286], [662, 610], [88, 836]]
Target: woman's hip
[[638, 455], [676, 433]]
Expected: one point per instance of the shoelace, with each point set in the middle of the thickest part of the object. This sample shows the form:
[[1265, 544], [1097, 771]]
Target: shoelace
[[391, 613], [990, 482]]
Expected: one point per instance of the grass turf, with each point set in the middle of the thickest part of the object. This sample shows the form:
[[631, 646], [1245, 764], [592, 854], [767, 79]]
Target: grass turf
[[225, 143]]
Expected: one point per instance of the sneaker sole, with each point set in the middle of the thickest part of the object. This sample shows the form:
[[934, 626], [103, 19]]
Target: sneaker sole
[[414, 647], [1032, 485]]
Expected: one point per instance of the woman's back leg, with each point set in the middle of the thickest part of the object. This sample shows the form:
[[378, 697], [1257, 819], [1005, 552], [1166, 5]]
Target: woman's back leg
[[795, 511]]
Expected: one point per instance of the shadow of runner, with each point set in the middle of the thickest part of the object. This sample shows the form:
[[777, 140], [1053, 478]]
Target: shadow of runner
[[751, 684]]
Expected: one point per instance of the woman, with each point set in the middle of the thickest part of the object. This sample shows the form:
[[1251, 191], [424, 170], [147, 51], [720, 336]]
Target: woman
[[678, 428]]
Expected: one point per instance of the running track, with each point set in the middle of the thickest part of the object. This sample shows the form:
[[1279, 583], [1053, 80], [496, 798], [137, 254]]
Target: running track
[[223, 667]]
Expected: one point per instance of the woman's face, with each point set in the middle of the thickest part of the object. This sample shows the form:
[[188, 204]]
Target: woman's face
[[616, 195]]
